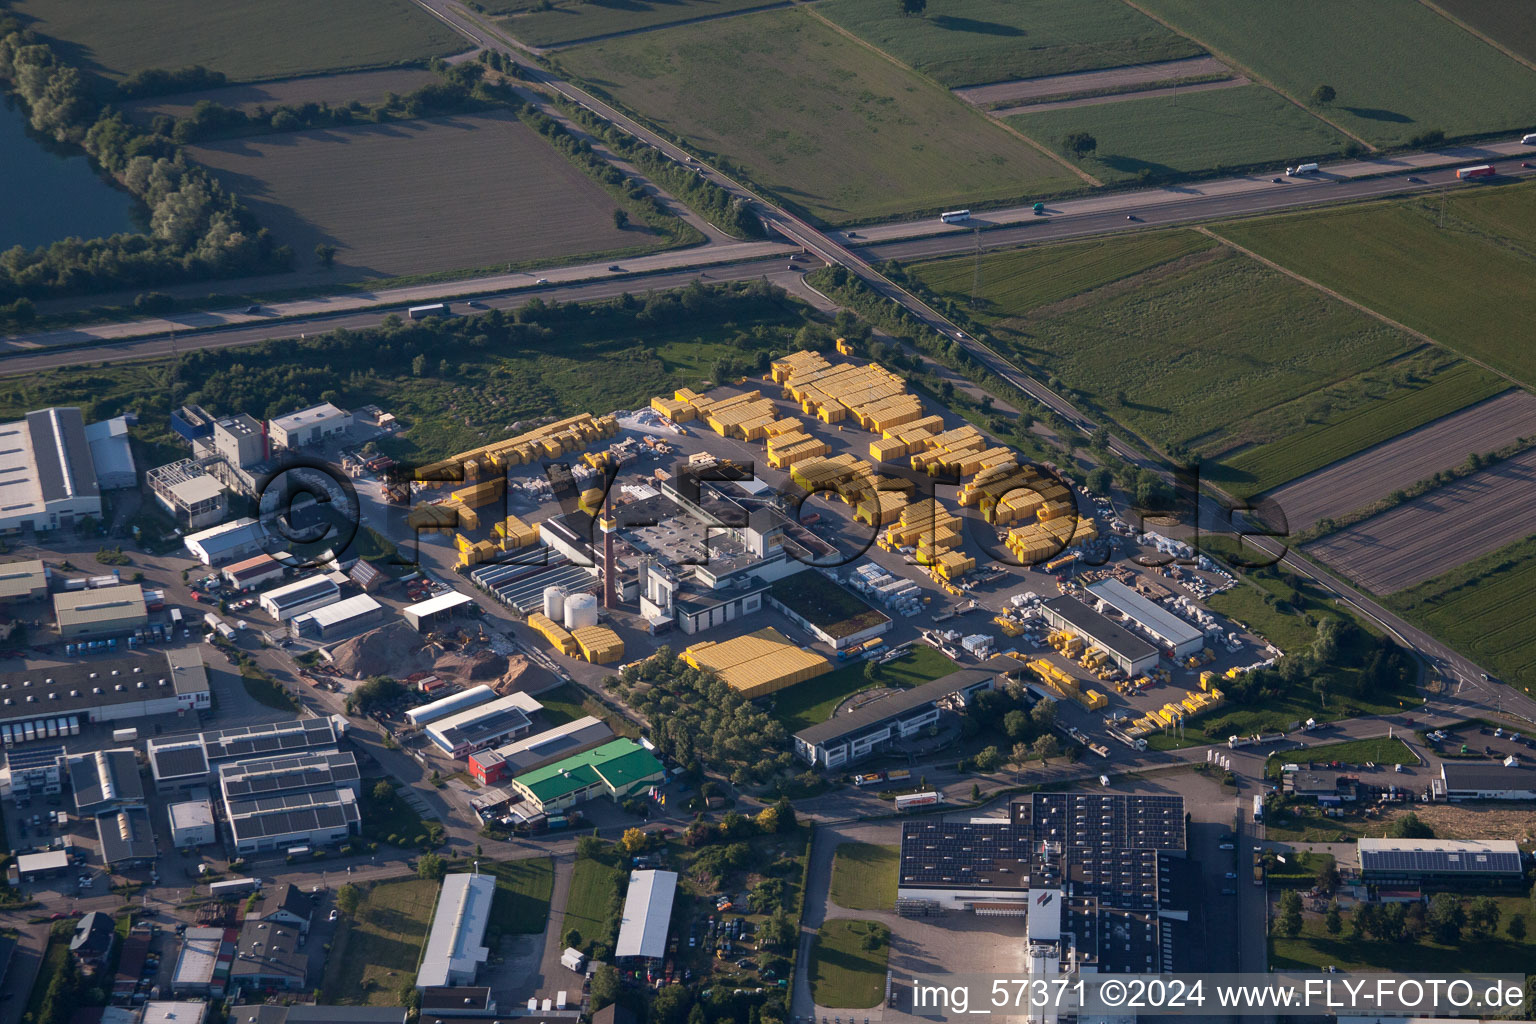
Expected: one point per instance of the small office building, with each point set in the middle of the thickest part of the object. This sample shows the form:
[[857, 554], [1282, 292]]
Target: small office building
[[106, 611], [306, 426], [191, 823]]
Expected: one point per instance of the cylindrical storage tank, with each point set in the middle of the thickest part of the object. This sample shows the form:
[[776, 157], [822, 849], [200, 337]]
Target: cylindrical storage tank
[[580, 611], [554, 603]]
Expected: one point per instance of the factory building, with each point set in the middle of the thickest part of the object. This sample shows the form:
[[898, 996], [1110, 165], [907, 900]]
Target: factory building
[[1166, 628], [306, 426], [240, 440], [487, 725], [830, 612], [229, 542], [281, 822], [106, 611], [165, 682], [316, 772], [884, 723], [337, 621], [267, 957], [105, 780], [456, 942], [1440, 862], [47, 475], [617, 770], [192, 495], [1131, 654], [450, 705], [23, 581], [492, 766], [181, 763], [300, 596], [126, 838], [1484, 780], [253, 572], [202, 966], [112, 454], [191, 823], [1101, 880], [426, 616], [647, 915]]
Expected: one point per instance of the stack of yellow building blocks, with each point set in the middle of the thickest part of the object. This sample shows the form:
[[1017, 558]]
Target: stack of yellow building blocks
[[745, 417], [1039, 541], [599, 644], [953, 564], [674, 409], [474, 552], [787, 449], [885, 505], [442, 518], [943, 451], [927, 526], [871, 395], [757, 664], [515, 533], [555, 633], [832, 473], [569, 435]]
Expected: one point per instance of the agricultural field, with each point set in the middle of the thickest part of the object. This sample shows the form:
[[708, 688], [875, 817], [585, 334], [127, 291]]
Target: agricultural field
[[1373, 55], [367, 87], [1161, 136], [378, 193], [1486, 609], [378, 948], [968, 42], [1459, 271], [1437, 531], [588, 19], [1182, 352], [830, 127], [1507, 22], [273, 39], [1351, 416]]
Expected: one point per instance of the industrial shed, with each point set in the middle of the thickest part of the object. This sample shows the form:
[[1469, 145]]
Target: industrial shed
[[337, 621], [617, 770], [451, 704], [427, 615], [647, 915], [1442, 861], [456, 944], [486, 725], [101, 612], [1157, 621], [1129, 652]]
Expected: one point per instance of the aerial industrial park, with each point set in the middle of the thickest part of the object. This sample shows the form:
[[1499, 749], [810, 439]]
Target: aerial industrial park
[[841, 512]]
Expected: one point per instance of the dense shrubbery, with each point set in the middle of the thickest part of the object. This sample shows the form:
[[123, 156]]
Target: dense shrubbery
[[196, 229], [159, 82]]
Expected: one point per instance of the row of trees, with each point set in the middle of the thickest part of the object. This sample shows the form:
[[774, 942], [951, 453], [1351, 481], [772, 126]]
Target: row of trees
[[719, 206], [196, 229], [1445, 920]]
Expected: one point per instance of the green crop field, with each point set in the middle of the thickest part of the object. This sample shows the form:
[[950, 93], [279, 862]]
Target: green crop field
[[586, 19], [968, 42], [1183, 352], [1486, 609], [1508, 22], [1195, 131], [864, 876], [830, 127], [1352, 415], [1464, 282], [1014, 282], [1399, 69], [272, 39]]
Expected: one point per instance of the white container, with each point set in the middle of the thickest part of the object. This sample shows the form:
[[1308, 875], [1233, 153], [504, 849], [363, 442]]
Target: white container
[[554, 603], [580, 611]]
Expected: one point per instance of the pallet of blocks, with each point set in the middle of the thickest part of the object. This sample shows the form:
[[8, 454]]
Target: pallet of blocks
[[571, 434], [673, 409], [787, 425], [952, 565], [825, 473], [482, 493], [946, 449], [517, 534], [794, 448], [927, 526], [555, 633], [883, 507], [599, 644], [442, 518]]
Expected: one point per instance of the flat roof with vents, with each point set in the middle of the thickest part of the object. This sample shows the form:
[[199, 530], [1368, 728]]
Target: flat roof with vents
[[86, 687], [107, 607], [23, 579], [455, 946], [1154, 618], [292, 814]]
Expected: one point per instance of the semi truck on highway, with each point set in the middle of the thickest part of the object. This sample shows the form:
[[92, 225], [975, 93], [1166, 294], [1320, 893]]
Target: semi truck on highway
[[1528, 140], [1300, 169], [1472, 173], [422, 312]]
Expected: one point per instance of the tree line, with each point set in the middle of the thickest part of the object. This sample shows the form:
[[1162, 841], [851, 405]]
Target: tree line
[[197, 230]]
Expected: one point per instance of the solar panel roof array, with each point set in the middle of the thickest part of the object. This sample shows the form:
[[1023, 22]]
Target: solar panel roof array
[[1440, 857], [291, 813], [302, 773]]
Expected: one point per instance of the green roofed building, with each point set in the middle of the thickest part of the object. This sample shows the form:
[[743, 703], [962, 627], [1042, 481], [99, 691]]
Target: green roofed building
[[618, 770]]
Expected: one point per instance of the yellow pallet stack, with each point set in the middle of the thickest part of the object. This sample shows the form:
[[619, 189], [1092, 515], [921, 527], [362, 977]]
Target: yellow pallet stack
[[787, 425], [911, 432], [598, 644], [843, 348], [757, 664], [887, 449], [787, 454], [517, 534], [796, 364], [555, 633], [745, 417], [882, 507], [826, 474], [672, 409], [948, 448], [952, 565], [571, 434], [927, 526], [482, 493], [1094, 700], [591, 501]]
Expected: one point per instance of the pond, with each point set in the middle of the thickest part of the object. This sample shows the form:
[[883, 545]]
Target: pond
[[52, 192]]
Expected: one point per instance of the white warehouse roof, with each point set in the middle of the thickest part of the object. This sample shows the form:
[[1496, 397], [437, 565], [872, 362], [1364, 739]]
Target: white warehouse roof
[[341, 611], [647, 914], [451, 704], [454, 946], [1153, 617]]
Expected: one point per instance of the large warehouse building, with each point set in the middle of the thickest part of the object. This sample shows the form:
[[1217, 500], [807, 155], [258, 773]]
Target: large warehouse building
[[1130, 653], [180, 763], [47, 475], [165, 682], [757, 664], [1108, 870], [878, 725], [1485, 780], [1166, 628], [574, 737], [300, 596], [1471, 862], [105, 611], [617, 770], [229, 542], [486, 725], [647, 915], [456, 944]]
